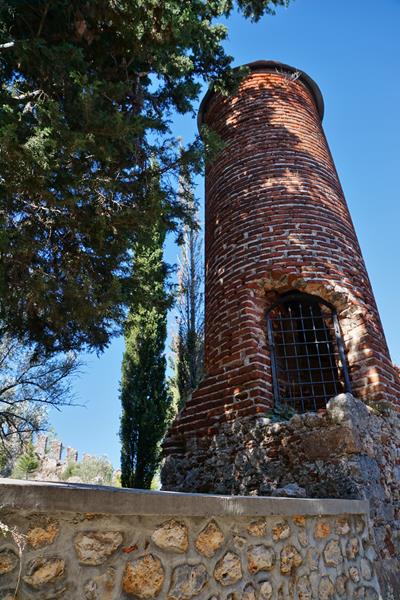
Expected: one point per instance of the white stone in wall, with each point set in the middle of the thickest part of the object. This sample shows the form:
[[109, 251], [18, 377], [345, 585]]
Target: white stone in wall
[[260, 558], [94, 547], [228, 569], [171, 535], [42, 571], [333, 554], [266, 590]]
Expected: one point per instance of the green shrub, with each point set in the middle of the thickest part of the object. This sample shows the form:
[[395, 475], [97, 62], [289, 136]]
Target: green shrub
[[26, 464]]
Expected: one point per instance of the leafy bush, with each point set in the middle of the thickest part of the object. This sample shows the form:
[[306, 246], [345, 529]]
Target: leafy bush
[[93, 469]]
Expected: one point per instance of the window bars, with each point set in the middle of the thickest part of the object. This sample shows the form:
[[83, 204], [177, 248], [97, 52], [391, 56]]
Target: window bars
[[307, 352]]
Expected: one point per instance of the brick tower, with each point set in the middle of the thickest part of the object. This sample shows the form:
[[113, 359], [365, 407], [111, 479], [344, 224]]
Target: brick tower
[[291, 319]]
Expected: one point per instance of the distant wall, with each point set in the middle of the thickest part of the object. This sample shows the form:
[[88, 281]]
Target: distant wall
[[90, 543], [57, 463]]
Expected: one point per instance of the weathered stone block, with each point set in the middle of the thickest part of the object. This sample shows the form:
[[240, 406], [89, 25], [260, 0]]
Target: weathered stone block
[[354, 574], [187, 582], [340, 585], [8, 560], [366, 569], [266, 590], [366, 593], [346, 410], [290, 559], [281, 531], [39, 537], [303, 539], [342, 526], [209, 540], [322, 530], [333, 554], [172, 535], [42, 571], [260, 558], [95, 547], [299, 520], [249, 593], [101, 587], [326, 589], [228, 569], [312, 558], [352, 548], [143, 578], [258, 528], [239, 541], [304, 591]]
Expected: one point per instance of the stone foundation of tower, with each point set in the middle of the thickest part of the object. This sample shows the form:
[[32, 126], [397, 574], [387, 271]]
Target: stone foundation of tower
[[349, 451]]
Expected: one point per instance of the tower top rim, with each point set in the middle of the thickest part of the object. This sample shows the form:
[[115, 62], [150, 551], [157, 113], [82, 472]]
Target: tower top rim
[[270, 66]]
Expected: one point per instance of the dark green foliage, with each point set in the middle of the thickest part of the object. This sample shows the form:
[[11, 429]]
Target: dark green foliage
[[146, 403], [87, 90]]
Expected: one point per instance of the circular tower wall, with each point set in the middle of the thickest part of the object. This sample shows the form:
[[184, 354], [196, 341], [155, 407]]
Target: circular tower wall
[[276, 221]]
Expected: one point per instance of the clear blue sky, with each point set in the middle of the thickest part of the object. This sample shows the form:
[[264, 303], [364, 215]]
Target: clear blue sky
[[352, 50]]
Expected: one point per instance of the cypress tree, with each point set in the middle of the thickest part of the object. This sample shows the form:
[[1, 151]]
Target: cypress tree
[[188, 343], [146, 403]]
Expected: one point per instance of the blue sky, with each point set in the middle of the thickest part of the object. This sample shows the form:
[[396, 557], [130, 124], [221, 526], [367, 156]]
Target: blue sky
[[352, 50]]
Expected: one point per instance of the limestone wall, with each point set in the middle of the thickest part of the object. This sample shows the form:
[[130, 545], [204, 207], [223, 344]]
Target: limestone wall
[[347, 451], [88, 543]]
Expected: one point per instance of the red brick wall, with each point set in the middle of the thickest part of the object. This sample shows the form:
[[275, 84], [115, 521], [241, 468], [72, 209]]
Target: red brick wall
[[276, 220]]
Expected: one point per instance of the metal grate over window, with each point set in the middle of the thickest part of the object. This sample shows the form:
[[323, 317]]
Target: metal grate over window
[[307, 352]]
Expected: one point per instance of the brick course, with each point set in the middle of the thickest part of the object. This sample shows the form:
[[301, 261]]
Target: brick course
[[276, 220]]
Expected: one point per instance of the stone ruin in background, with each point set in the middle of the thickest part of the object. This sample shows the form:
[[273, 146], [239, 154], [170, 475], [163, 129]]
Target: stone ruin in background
[[57, 465], [53, 460], [300, 396]]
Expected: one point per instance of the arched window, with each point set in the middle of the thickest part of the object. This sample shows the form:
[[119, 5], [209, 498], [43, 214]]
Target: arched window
[[307, 352]]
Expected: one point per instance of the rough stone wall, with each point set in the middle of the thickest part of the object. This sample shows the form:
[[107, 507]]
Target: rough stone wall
[[348, 451], [276, 220], [90, 556]]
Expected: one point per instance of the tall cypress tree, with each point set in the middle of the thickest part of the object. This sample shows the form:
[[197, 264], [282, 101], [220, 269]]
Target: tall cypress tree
[[188, 343], [146, 403]]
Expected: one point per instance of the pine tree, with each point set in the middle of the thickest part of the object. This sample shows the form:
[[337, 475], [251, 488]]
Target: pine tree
[[26, 464], [188, 343], [146, 403], [87, 90]]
